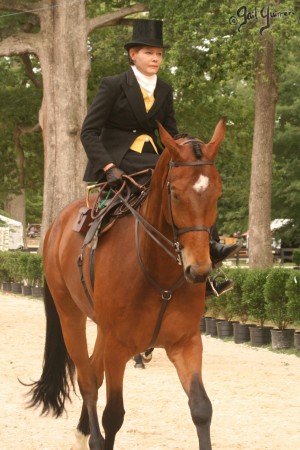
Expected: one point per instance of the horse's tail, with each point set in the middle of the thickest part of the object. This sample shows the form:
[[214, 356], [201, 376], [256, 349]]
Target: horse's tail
[[53, 388]]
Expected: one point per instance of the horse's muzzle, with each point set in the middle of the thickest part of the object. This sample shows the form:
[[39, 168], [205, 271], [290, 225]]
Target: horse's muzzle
[[193, 274]]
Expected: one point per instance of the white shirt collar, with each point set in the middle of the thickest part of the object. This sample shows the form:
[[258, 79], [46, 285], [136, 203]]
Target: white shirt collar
[[146, 82]]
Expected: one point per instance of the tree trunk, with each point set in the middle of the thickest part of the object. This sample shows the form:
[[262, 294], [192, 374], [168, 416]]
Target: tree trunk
[[260, 250], [15, 205], [64, 61]]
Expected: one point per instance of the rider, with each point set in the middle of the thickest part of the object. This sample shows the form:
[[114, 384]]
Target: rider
[[119, 131]]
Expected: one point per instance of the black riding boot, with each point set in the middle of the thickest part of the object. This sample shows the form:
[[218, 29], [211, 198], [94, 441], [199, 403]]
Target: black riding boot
[[139, 364], [219, 252]]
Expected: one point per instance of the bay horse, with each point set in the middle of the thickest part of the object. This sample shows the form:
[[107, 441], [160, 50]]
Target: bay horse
[[134, 276]]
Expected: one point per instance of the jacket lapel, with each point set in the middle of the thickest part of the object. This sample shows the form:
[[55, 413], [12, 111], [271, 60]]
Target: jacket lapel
[[160, 95], [135, 98]]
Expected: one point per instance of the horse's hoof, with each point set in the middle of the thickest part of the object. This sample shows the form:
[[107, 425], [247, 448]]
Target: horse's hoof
[[139, 366]]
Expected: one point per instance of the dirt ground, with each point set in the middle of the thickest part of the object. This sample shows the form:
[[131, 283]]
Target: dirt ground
[[255, 394]]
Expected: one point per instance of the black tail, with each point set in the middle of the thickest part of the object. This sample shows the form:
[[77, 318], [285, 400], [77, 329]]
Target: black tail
[[53, 388]]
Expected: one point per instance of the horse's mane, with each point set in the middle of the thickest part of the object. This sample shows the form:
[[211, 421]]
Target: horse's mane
[[196, 143]]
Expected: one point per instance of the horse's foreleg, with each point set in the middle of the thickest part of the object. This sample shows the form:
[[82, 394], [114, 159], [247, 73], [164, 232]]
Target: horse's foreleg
[[188, 362], [115, 359]]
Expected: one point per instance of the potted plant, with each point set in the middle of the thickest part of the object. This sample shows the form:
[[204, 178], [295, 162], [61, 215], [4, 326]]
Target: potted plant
[[13, 267], [277, 308], [4, 273], [23, 267], [36, 274], [213, 308], [225, 327], [253, 295], [293, 306], [241, 332], [296, 259]]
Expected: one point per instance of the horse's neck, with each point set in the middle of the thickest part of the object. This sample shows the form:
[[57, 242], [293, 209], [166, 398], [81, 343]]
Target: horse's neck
[[156, 257]]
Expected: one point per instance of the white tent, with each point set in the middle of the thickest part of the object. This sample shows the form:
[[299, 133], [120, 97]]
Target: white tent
[[279, 223], [11, 234]]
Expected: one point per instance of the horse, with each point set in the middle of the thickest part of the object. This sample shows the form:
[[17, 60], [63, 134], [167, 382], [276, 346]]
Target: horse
[[140, 285]]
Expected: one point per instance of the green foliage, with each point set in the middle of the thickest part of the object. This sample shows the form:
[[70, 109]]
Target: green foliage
[[293, 294], [226, 309], [277, 299], [4, 273], [19, 105], [21, 267], [35, 272], [237, 307], [253, 294], [296, 257], [13, 267], [213, 306]]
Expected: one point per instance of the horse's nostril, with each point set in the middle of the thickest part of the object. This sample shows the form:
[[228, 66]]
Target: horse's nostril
[[194, 275]]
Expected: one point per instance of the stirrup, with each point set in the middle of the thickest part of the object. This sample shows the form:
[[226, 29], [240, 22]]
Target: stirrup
[[220, 274]]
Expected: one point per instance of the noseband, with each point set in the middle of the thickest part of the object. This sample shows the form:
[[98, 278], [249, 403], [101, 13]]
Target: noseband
[[179, 231]]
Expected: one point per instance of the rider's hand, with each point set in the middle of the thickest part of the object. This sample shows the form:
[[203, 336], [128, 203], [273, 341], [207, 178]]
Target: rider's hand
[[114, 177]]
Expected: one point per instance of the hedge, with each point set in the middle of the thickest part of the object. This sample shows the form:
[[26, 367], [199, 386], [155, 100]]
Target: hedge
[[21, 267]]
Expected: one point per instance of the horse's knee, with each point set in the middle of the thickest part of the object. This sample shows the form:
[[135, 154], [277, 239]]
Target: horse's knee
[[199, 403]]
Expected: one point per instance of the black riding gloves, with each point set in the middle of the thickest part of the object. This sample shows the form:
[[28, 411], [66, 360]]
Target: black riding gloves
[[114, 177]]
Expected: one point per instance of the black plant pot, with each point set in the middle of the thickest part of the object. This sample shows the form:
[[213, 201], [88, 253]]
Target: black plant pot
[[16, 288], [241, 332], [211, 326], [26, 290], [202, 325], [6, 286], [282, 338], [37, 291], [297, 340], [224, 329], [260, 336]]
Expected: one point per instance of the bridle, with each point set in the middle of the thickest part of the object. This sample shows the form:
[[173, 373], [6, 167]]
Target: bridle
[[179, 231]]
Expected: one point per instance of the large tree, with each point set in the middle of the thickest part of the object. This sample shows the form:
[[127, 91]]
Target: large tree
[[215, 42], [57, 33]]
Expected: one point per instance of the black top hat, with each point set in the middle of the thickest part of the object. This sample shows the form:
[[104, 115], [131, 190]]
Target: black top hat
[[146, 32]]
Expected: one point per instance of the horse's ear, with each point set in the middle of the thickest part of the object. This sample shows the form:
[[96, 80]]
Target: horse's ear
[[168, 141], [214, 145]]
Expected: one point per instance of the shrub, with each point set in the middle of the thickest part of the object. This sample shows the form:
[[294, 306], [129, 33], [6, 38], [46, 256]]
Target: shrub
[[235, 304], [35, 270], [253, 294], [276, 298], [4, 273], [213, 306], [296, 257], [226, 309], [13, 266], [293, 294]]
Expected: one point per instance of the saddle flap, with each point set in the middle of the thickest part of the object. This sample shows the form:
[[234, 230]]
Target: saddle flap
[[83, 221]]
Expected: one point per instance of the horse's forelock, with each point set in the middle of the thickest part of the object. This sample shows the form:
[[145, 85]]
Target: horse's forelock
[[196, 143]]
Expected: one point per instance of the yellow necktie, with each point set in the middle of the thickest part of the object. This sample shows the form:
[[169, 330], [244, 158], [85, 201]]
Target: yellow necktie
[[138, 144]]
